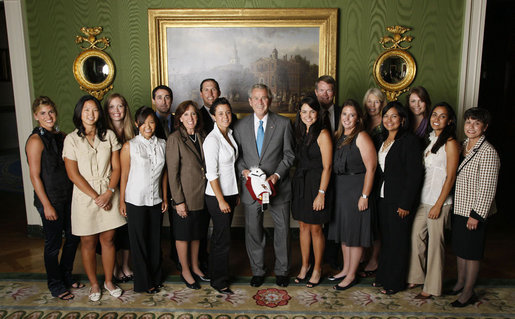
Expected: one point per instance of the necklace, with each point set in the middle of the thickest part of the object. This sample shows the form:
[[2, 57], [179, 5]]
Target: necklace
[[194, 138], [386, 144]]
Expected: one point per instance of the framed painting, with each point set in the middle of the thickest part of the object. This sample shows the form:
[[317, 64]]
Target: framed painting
[[284, 49]]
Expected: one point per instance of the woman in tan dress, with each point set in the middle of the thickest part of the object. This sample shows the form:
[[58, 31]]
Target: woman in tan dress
[[92, 160]]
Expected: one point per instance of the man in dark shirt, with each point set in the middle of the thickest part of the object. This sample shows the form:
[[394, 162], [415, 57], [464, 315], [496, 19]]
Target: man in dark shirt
[[210, 91]]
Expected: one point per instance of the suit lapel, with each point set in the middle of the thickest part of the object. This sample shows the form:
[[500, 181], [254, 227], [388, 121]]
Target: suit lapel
[[191, 146], [251, 141], [269, 132]]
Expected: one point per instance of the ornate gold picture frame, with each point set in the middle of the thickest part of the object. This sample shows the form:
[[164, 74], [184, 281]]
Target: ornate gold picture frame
[[285, 49]]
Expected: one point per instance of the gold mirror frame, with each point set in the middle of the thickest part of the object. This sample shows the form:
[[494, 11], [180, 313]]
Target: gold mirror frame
[[96, 89], [394, 90], [94, 49], [394, 48]]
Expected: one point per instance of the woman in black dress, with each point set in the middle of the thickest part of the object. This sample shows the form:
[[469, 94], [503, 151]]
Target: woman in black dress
[[310, 203], [354, 167], [52, 197]]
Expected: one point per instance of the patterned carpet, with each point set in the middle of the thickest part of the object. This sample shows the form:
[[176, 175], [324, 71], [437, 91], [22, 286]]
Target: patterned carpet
[[29, 298]]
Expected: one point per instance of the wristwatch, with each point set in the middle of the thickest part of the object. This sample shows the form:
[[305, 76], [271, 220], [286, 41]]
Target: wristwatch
[[111, 189], [364, 196]]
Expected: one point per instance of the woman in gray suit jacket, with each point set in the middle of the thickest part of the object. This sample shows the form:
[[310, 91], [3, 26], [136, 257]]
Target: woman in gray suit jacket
[[186, 168]]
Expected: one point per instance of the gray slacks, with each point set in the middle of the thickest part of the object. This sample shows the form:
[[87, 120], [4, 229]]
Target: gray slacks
[[255, 240]]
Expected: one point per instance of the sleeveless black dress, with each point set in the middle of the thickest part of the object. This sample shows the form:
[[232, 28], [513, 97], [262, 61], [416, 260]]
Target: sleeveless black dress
[[306, 183], [58, 186], [349, 225]]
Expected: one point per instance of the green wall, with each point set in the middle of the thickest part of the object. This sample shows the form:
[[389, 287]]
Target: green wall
[[53, 24]]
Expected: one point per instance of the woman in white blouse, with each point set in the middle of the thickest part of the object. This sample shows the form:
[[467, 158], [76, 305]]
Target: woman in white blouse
[[221, 152], [142, 190], [441, 158]]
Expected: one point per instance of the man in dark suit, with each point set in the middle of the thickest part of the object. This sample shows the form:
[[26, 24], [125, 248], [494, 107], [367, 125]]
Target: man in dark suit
[[210, 91], [325, 87], [265, 140], [162, 98]]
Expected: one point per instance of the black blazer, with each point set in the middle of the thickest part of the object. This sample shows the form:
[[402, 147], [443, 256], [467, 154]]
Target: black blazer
[[404, 172], [160, 132]]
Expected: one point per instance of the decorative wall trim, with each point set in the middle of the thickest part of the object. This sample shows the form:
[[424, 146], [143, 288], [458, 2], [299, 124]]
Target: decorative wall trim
[[22, 89], [472, 52]]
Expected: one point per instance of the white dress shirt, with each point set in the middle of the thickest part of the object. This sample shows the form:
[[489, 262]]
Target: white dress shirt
[[147, 162], [220, 159], [256, 124]]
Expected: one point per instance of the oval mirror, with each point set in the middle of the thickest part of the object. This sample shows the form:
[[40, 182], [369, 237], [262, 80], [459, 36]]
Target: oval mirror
[[394, 70], [94, 71]]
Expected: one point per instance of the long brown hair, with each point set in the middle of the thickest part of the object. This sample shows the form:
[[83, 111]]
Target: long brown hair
[[360, 125], [128, 124], [181, 109]]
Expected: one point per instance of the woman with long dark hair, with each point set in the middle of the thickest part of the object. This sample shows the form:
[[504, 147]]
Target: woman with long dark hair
[[441, 158], [52, 197], [476, 184], [311, 199], [92, 158], [355, 162], [419, 104], [401, 170]]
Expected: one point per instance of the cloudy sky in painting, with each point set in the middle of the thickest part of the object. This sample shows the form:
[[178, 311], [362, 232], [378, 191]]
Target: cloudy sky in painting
[[200, 49]]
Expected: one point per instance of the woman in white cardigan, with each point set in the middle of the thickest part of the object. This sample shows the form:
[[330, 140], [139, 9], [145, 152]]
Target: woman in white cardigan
[[221, 152]]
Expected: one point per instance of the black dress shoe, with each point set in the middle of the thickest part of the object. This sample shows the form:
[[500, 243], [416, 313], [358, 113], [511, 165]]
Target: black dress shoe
[[352, 283], [195, 285], [282, 281], [201, 278], [152, 291], [451, 292], [333, 278], [257, 281], [457, 304], [225, 290]]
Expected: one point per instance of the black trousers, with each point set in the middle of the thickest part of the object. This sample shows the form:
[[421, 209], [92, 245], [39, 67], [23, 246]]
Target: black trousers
[[145, 240], [395, 246], [59, 273], [220, 241]]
